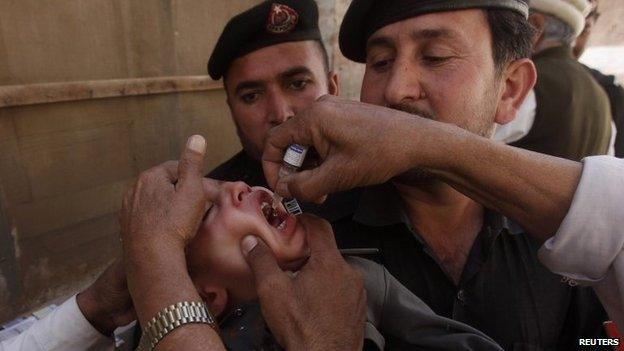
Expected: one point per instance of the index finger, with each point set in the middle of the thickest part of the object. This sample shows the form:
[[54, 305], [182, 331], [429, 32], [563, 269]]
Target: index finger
[[293, 131]]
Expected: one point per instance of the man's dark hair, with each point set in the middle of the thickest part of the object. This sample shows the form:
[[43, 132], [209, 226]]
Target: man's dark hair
[[512, 36]]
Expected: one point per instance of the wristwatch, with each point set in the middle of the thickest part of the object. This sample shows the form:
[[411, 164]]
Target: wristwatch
[[172, 317]]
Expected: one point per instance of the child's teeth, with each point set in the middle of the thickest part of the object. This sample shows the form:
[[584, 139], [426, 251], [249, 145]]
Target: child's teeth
[[282, 225]]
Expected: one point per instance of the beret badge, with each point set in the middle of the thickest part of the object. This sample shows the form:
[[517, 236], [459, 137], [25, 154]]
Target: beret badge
[[282, 19]]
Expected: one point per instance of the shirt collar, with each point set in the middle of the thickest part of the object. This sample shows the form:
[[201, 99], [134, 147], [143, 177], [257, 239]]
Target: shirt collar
[[381, 205]]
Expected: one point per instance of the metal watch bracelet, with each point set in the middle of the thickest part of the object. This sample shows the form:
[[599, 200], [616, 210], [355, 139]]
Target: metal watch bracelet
[[172, 317]]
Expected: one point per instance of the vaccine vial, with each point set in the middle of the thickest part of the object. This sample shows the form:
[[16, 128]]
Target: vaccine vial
[[293, 160]]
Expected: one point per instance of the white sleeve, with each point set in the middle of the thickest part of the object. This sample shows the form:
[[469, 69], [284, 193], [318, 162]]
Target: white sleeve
[[588, 245], [65, 328]]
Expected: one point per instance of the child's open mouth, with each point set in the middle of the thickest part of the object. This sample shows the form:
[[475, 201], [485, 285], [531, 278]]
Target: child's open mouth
[[275, 214]]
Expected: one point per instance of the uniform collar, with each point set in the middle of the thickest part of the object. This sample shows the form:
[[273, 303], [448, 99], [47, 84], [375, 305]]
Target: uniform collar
[[381, 205]]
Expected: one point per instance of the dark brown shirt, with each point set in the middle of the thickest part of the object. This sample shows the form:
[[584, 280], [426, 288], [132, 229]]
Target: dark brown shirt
[[504, 290]]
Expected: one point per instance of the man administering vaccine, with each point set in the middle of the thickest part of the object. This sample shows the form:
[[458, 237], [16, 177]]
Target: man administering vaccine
[[462, 63]]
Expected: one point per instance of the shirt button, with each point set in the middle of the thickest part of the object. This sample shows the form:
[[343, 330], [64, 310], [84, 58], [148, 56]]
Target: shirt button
[[461, 296], [238, 312]]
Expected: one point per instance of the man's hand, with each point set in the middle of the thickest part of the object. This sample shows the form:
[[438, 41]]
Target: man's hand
[[359, 144], [323, 306], [159, 216], [167, 201], [106, 303]]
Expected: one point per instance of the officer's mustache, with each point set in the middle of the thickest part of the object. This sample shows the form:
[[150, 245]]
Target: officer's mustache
[[412, 110]]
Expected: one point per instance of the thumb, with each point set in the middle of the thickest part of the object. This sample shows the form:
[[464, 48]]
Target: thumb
[[192, 161], [263, 264]]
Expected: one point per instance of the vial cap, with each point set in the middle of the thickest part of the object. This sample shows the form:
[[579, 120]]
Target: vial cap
[[295, 155]]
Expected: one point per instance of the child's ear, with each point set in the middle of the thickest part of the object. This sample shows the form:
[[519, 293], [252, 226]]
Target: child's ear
[[215, 297]]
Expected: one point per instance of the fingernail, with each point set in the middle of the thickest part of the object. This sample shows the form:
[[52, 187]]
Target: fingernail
[[248, 244], [197, 143]]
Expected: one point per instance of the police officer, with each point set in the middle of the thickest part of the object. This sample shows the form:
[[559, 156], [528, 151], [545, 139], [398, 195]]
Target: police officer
[[458, 62], [273, 63]]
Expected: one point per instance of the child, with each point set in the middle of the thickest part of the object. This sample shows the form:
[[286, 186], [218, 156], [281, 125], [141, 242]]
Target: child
[[396, 319]]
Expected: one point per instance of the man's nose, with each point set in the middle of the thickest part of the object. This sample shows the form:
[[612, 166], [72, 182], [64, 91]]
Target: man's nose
[[403, 85], [280, 109]]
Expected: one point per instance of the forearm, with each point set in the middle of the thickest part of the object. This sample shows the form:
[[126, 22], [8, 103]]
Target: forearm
[[533, 189], [157, 280], [91, 309]]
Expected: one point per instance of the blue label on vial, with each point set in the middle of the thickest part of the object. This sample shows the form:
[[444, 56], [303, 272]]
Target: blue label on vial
[[297, 148]]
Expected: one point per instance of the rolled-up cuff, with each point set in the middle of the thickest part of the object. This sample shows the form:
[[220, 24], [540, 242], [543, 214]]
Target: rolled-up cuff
[[591, 235]]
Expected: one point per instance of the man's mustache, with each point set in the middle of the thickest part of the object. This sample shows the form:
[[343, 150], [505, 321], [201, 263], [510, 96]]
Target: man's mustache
[[413, 110]]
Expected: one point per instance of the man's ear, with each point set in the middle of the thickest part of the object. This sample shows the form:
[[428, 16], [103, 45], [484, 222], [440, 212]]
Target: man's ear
[[215, 297], [333, 86], [538, 21], [519, 79]]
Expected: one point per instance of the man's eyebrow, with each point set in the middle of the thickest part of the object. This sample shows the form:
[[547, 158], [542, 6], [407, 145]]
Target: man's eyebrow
[[295, 71], [432, 34], [249, 84], [385, 41], [379, 41]]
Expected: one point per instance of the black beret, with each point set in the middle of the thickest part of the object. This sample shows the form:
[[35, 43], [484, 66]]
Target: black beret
[[269, 23], [365, 17]]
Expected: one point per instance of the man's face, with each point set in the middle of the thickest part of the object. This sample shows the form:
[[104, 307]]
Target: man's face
[[238, 210], [438, 66], [272, 84]]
